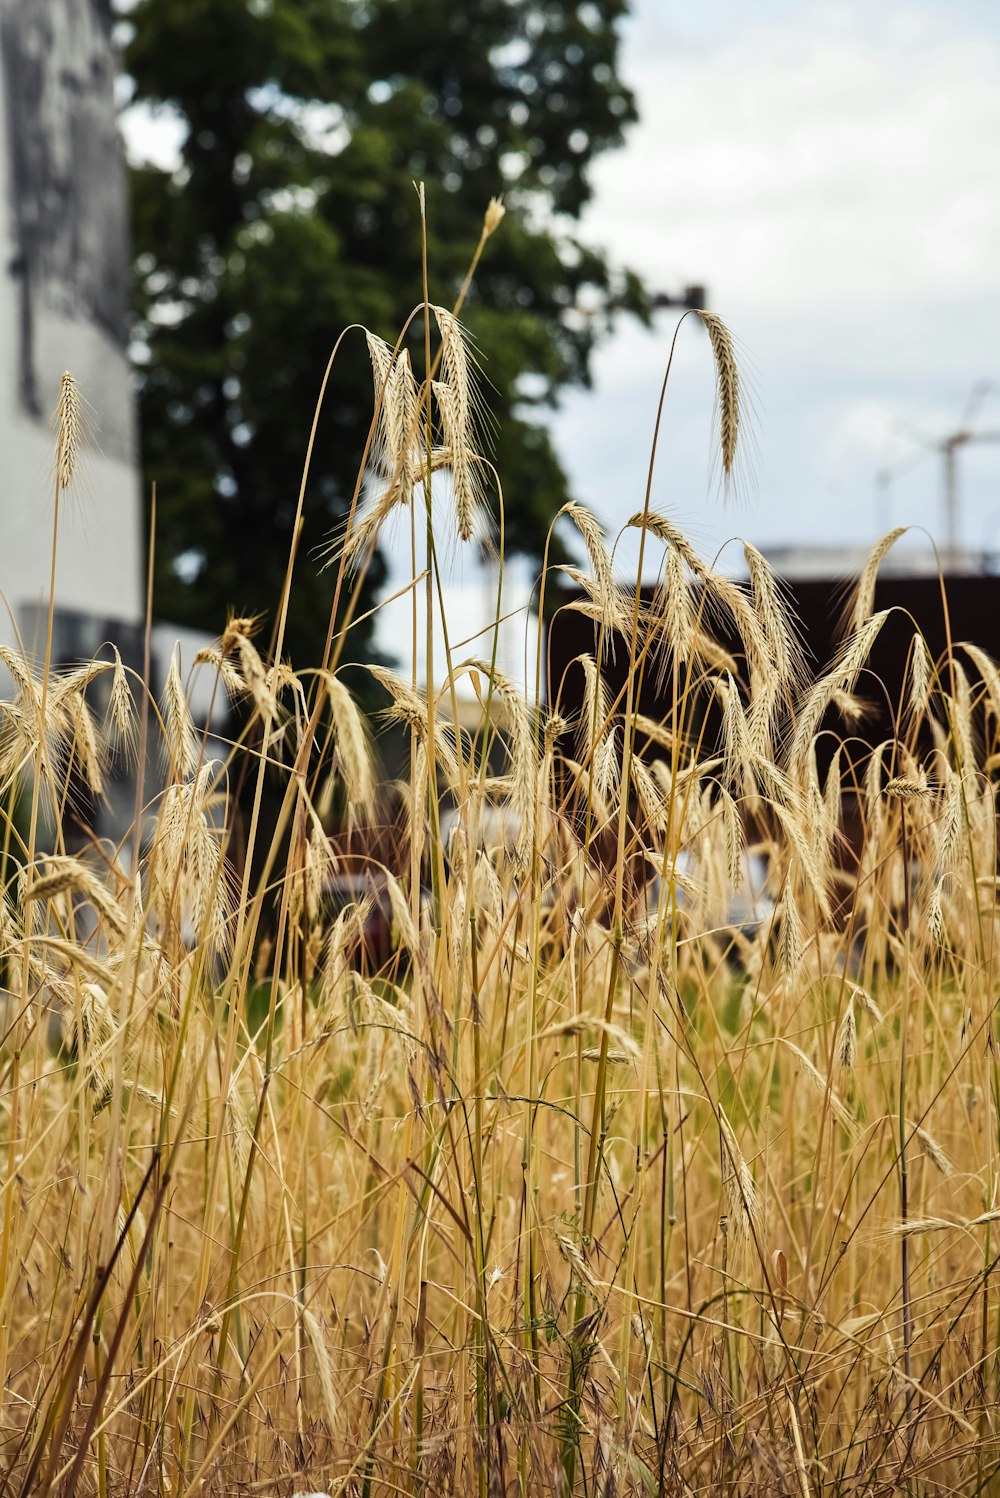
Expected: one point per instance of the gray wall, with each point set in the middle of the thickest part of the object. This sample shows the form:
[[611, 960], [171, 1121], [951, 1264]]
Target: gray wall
[[63, 288]]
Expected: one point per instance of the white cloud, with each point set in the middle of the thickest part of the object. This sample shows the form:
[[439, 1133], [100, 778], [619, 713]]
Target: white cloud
[[829, 173], [834, 156], [153, 137]]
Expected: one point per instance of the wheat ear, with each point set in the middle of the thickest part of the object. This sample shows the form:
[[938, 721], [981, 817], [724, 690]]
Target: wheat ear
[[727, 378]]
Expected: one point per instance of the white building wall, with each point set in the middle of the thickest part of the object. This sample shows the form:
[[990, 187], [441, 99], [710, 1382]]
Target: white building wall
[[63, 280]]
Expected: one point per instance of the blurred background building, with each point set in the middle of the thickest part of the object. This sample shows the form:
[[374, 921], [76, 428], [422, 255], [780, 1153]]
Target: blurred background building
[[63, 305], [65, 272]]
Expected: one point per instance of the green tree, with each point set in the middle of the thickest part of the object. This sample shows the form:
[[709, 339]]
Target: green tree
[[293, 213]]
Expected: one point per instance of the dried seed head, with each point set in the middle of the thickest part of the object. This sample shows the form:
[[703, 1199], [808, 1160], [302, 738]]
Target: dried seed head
[[600, 561], [466, 483], [487, 891], [555, 728], [851, 708], [121, 724], [455, 361], [916, 1227], [353, 744], [847, 1039], [648, 794], [872, 784], [86, 743], [737, 754], [189, 883], [458, 925], [260, 681], [654, 731], [960, 715], [493, 217], [318, 860], [463, 416], [344, 935], [416, 804], [28, 689], [409, 708], [990, 673], [805, 856], [843, 676], [396, 455], [592, 724], [523, 763], [902, 788], [10, 927], [951, 820], [867, 1003], [677, 614], [937, 1155], [69, 429], [237, 626], [733, 825], [728, 388], [791, 938], [402, 918], [741, 1192], [324, 1366], [182, 742], [95, 1032], [832, 794], [719, 589], [861, 604], [231, 679], [608, 611], [664, 529], [239, 1133], [65, 873], [773, 614], [395, 446], [705, 648], [921, 672], [765, 702], [857, 650], [607, 766]]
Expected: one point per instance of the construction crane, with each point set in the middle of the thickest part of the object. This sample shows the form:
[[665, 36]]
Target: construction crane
[[947, 448]]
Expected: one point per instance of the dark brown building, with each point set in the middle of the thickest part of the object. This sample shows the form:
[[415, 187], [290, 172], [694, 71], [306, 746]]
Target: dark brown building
[[956, 609]]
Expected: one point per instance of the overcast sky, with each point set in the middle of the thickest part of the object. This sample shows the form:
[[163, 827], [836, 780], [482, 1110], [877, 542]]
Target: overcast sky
[[830, 172]]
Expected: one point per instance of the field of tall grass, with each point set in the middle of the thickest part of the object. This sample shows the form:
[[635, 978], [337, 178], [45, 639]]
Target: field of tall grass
[[573, 1183]]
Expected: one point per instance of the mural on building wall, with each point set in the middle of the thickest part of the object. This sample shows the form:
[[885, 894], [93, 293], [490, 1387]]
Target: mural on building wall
[[67, 187]]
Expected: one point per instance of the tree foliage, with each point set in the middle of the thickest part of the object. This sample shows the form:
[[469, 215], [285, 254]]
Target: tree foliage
[[292, 214]]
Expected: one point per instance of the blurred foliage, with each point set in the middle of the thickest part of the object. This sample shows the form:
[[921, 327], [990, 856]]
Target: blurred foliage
[[293, 214]]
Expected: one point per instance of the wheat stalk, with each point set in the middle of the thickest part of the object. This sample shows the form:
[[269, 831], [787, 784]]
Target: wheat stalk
[[181, 738]]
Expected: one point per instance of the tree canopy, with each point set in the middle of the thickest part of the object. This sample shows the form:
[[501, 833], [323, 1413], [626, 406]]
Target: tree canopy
[[292, 214]]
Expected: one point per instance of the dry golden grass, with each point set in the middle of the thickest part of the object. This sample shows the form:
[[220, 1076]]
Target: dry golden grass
[[576, 1186]]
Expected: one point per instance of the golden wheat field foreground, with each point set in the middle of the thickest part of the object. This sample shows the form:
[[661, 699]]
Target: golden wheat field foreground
[[568, 1181]]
